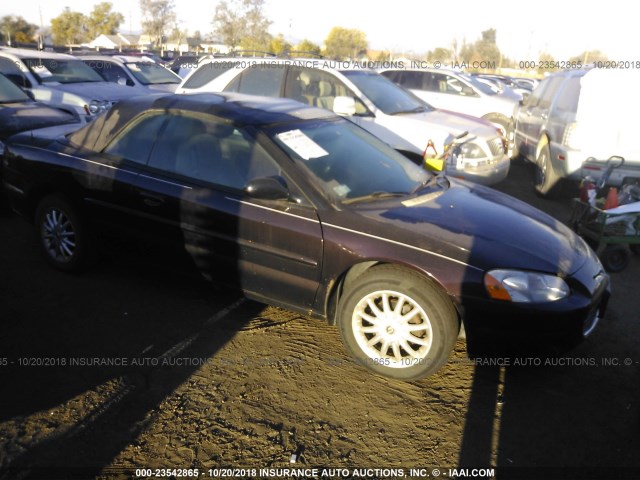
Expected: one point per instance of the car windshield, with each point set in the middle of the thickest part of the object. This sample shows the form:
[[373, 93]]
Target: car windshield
[[149, 73], [9, 93], [385, 94], [347, 163], [483, 87], [49, 70]]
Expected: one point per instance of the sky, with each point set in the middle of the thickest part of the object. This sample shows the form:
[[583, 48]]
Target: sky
[[524, 29]]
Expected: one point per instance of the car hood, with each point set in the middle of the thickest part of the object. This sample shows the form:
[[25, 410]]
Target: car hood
[[480, 227], [21, 116], [441, 126], [98, 90], [163, 87]]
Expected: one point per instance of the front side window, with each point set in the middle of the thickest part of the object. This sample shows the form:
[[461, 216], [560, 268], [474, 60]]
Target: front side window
[[208, 150]]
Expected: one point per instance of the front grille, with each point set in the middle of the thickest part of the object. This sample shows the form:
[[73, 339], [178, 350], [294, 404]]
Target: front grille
[[496, 146]]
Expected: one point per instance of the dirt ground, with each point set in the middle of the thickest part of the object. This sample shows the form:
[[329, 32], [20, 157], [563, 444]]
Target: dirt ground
[[201, 379]]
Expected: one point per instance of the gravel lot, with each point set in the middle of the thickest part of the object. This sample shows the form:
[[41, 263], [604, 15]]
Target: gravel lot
[[134, 365]]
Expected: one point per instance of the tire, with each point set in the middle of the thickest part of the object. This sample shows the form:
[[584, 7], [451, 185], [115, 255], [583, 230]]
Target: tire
[[434, 321], [615, 258], [62, 235], [546, 178]]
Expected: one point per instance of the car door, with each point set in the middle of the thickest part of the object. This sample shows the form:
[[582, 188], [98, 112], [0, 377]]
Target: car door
[[108, 177], [192, 196], [534, 114]]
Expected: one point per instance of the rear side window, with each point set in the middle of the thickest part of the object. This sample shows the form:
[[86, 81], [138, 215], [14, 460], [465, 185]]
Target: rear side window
[[265, 80], [407, 79], [136, 142], [208, 72], [549, 93], [568, 97]]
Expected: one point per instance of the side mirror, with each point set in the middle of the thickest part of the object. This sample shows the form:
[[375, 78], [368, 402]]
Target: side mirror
[[267, 188], [125, 82], [344, 106]]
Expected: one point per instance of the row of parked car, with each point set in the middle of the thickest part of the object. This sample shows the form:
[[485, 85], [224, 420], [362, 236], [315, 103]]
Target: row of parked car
[[89, 85], [310, 202]]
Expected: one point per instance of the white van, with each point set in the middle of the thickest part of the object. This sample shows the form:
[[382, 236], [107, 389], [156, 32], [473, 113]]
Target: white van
[[577, 115]]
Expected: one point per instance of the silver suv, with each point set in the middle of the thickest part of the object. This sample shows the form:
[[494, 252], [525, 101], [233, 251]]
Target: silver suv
[[61, 81], [369, 100], [577, 115]]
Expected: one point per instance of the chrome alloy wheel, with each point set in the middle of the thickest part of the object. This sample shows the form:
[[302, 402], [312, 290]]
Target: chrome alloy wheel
[[392, 329], [58, 235]]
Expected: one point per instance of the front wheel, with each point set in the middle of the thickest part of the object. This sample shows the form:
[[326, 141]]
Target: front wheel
[[397, 324], [63, 237]]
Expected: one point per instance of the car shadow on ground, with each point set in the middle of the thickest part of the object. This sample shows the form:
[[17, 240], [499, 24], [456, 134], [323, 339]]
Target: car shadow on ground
[[564, 414], [105, 369]]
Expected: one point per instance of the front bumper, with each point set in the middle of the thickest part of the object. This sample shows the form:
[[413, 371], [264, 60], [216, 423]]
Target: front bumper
[[567, 321]]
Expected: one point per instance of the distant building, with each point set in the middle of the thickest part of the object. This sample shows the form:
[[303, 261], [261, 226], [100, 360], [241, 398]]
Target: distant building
[[120, 41]]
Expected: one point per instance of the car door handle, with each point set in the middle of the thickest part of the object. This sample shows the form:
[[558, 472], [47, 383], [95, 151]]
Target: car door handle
[[152, 200]]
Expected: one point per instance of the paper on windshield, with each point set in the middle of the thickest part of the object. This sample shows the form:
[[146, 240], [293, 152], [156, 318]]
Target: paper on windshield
[[304, 146]]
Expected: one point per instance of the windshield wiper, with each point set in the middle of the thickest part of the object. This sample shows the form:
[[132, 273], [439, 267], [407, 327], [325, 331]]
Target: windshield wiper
[[374, 196], [437, 180]]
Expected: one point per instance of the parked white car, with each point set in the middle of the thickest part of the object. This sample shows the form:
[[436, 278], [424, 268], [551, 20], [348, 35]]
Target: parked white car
[[138, 72], [458, 92], [368, 99], [61, 81], [576, 115]]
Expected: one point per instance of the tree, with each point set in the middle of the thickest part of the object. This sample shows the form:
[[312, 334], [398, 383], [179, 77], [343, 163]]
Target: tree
[[442, 55], [157, 16], [309, 47], [103, 21], [242, 23], [16, 29], [345, 43], [589, 56], [68, 28], [550, 62], [279, 45]]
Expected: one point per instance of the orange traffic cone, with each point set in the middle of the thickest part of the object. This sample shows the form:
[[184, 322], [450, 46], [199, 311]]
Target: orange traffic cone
[[612, 199]]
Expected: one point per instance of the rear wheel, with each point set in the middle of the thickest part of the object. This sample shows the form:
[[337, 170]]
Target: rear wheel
[[397, 324], [546, 178], [63, 237]]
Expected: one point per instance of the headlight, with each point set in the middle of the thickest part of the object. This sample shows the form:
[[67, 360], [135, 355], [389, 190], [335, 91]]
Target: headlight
[[471, 150], [525, 287], [98, 106]]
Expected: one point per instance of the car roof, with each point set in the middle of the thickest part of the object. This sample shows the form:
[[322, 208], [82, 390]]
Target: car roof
[[26, 53], [118, 58], [234, 107]]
